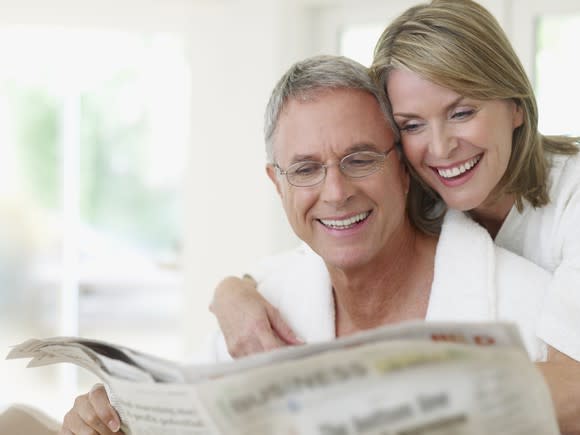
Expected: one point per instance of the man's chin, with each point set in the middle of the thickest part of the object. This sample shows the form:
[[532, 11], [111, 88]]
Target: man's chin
[[344, 258]]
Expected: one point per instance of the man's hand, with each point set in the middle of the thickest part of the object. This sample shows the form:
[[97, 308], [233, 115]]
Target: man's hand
[[250, 324], [92, 414], [562, 374]]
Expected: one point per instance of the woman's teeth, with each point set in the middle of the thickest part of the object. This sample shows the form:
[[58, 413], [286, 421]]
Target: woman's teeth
[[458, 170], [345, 223]]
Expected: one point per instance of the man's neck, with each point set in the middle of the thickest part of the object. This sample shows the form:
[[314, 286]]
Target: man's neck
[[394, 287]]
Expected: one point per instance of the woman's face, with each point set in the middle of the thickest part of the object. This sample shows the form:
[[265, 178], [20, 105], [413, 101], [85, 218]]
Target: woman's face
[[458, 145]]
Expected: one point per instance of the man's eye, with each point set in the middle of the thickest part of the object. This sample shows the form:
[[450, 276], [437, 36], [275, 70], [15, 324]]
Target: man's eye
[[361, 162], [306, 169]]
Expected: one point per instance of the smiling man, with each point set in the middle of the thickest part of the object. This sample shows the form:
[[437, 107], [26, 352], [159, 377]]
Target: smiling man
[[343, 188]]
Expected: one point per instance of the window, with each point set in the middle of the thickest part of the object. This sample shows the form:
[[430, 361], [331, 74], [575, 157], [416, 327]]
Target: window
[[358, 42], [544, 35], [556, 69], [93, 137]]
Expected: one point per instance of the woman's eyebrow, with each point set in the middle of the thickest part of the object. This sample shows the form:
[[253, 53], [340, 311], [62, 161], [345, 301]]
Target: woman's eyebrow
[[456, 101]]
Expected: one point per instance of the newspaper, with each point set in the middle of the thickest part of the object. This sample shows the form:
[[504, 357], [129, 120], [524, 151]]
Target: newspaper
[[414, 378]]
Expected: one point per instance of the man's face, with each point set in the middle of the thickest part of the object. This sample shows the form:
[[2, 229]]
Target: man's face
[[347, 221]]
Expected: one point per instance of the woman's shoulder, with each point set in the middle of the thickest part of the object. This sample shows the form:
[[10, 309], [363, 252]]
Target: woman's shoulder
[[564, 177]]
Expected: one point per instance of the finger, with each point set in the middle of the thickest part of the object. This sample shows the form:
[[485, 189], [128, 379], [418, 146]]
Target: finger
[[281, 328], [269, 340], [255, 338], [74, 422], [102, 407], [238, 348], [249, 279]]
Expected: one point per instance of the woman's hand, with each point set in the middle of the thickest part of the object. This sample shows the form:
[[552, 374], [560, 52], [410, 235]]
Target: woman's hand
[[250, 324], [92, 414]]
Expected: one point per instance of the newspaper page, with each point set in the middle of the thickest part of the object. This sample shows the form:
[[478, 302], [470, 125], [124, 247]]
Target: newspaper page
[[415, 378], [398, 388]]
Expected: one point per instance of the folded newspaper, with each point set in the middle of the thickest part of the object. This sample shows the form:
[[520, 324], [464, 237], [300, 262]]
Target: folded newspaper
[[409, 379]]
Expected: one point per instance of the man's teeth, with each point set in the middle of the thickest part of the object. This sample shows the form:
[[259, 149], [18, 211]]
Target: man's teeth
[[458, 170], [345, 223]]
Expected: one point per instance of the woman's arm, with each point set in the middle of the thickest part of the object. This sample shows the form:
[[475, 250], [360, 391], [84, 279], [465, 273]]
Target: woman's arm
[[249, 323]]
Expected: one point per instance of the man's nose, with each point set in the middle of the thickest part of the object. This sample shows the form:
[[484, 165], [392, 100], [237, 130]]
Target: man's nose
[[442, 142], [336, 187]]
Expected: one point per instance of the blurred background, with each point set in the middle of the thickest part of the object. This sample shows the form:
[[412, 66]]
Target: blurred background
[[132, 164]]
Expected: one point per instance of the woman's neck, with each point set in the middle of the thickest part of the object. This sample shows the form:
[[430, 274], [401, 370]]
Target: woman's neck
[[492, 215]]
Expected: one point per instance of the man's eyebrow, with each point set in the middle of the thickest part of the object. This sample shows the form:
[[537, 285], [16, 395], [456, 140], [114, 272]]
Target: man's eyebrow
[[452, 104], [362, 146], [303, 158]]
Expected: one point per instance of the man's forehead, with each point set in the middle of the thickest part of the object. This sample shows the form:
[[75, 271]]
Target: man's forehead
[[349, 118]]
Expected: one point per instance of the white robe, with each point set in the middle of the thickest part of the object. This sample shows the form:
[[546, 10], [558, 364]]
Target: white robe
[[474, 280], [549, 236]]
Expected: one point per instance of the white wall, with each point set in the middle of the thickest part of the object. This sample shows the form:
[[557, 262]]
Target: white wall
[[239, 50]]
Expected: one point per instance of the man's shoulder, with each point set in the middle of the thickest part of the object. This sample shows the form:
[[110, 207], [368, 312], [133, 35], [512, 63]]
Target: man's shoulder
[[302, 260]]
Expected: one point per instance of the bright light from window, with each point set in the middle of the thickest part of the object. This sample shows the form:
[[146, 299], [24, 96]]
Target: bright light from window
[[557, 66], [109, 112], [358, 42]]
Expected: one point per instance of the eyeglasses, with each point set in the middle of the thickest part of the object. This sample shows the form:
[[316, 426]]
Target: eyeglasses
[[356, 165]]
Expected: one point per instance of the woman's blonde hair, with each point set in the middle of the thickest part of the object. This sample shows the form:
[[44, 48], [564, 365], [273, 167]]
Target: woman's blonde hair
[[459, 45]]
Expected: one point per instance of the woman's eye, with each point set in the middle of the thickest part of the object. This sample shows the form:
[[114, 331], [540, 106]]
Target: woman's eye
[[462, 114], [410, 127]]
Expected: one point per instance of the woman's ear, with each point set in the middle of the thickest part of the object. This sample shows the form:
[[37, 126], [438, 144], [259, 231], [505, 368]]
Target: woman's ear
[[518, 115]]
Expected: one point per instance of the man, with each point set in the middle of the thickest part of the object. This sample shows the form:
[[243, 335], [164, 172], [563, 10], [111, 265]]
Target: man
[[332, 158]]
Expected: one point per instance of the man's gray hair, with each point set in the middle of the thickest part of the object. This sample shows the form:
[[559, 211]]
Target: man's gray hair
[[309, 77]]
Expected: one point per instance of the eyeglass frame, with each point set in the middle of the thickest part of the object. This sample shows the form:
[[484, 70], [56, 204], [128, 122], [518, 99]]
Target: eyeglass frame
[[325, 167]]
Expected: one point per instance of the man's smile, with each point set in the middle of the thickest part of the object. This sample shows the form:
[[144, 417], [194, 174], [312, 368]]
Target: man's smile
[[346, 223]]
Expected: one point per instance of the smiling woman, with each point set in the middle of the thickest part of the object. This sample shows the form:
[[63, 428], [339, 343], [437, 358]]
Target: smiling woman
[[459, 146]]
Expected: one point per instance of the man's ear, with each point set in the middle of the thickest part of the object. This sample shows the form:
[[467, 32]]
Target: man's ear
[[272, 174]]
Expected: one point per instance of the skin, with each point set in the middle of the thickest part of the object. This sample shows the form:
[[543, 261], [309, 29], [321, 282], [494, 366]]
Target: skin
[[350, 123], [259, 328], [440, 129], [92, 414]]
